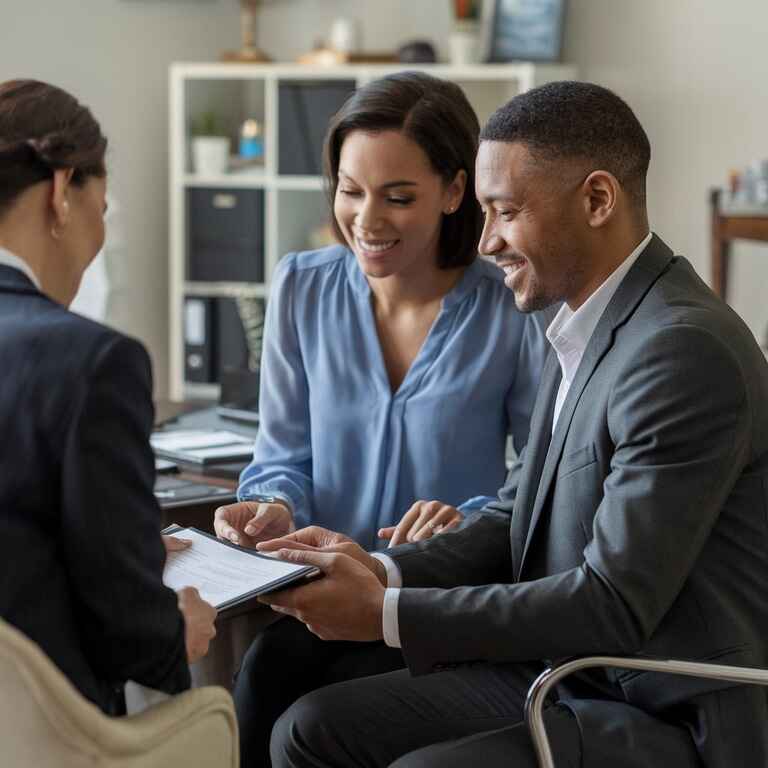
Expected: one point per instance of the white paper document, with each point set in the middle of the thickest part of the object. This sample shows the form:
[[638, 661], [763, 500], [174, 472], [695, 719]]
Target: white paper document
[[224, 575], [193, 439]]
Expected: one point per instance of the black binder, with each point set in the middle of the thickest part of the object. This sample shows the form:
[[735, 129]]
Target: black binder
[[199, 359]]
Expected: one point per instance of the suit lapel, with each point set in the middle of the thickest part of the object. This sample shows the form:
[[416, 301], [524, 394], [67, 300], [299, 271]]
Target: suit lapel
[[644, 272], [535, 453]]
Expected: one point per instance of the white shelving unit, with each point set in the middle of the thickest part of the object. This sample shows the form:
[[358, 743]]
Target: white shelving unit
[[293, 205]]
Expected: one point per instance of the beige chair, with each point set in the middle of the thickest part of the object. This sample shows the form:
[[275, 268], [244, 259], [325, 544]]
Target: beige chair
[[537, 693], [45, 722]]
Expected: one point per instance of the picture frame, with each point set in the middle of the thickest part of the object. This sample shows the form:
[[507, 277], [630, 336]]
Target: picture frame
[[522, 30]]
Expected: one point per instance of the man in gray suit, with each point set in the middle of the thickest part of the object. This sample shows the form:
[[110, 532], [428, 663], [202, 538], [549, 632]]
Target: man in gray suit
[[637, 521]]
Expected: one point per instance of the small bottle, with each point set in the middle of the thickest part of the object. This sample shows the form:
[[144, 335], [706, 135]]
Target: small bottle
[[251, 140]]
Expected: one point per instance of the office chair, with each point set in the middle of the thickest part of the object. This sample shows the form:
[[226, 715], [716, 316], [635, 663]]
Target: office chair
[[46, 723], [540, 687]]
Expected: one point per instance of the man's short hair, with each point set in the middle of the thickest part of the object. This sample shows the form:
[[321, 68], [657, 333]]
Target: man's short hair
[[573, 120]]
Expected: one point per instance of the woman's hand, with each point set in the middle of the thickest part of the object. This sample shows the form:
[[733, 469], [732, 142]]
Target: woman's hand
[[249, 522], [199, 617], [422, 521]]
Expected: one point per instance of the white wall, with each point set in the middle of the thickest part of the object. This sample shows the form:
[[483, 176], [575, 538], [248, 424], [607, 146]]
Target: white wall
[[696, 72], [114, 55]]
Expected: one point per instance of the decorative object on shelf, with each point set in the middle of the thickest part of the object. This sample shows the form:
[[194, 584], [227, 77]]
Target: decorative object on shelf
[[249, 51], [747, 189], [417, 52], [527, 30], [251, 140], [342, 46], [344, 36], [464, 40], [252, 314], [210, 146]]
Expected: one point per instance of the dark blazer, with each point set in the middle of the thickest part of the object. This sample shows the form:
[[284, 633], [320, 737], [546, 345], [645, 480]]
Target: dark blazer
[[80, 548], [641, 526]]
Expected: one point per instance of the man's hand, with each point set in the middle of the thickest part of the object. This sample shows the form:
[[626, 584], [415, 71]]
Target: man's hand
[[345, 604], [317, 539], [249, 522], [198, 621], [174, 544], [422, 521]]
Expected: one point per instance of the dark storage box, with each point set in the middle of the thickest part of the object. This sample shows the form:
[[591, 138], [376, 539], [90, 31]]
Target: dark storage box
[[225, 235], [305, 109]]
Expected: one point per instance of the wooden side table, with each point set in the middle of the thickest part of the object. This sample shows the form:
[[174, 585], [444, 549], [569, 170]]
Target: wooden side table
[[726, 227]]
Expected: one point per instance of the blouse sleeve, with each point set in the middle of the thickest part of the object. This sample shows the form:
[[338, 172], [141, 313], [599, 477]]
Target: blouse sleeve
[[282, 456]]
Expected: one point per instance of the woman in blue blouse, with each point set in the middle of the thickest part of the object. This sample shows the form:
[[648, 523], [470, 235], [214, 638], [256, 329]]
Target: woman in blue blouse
[[395, 365], [393, 368]]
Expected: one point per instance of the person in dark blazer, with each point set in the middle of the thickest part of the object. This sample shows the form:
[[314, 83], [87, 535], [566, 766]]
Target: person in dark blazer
[[636, 521], [81, 553]]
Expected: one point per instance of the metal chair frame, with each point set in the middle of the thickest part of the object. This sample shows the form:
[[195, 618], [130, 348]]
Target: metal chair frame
[[537, 693]]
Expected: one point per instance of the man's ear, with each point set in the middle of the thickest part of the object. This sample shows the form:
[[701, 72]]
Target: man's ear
[[60, 213], [601, 191]]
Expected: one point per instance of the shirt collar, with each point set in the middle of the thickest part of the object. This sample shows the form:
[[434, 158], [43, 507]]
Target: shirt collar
[[570, 332], [10, 260]]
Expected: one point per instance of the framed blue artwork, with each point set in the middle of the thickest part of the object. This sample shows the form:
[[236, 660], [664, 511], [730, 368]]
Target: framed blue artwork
[[522, 30]]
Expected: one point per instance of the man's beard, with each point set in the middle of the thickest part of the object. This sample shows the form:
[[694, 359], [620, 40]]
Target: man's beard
[[537, 297]]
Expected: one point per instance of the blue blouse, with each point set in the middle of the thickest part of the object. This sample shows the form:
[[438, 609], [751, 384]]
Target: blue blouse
[[345, 451]]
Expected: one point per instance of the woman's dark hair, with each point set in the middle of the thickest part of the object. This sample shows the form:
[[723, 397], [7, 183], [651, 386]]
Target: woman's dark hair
[[44, 129], [436, 115]]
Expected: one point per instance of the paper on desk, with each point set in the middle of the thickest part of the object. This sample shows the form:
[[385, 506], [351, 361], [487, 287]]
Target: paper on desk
[[192, 439], [221, 573]]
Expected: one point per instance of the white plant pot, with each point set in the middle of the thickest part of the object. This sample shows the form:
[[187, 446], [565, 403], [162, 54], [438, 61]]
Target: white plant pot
[[210, 155], [464, 44]]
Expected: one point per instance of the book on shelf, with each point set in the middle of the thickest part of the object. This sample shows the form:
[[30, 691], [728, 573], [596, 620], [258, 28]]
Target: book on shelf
[[202, 446]]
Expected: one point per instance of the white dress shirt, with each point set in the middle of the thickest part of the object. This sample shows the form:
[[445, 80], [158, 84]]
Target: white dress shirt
[[569, 333], [7, 259]]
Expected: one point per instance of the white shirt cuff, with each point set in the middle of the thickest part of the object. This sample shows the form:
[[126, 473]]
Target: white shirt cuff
[[389, 623], [394, 577]]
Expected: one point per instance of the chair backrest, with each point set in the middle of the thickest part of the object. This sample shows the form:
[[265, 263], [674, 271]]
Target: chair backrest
[[39, 708], [46, 723]]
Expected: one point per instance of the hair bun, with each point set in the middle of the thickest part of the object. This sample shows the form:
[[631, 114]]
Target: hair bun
[[52, 150]]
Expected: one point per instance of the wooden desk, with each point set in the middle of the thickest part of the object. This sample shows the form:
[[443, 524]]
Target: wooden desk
[[725, 229]]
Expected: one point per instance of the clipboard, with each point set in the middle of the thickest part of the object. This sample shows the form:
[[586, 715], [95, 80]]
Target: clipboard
[[285, 574]]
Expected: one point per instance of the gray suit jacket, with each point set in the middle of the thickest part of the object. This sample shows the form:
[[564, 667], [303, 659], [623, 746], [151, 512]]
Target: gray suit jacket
[[641, 526]]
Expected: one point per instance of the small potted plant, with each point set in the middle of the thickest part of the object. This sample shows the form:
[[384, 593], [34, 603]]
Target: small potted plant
[[210, 146], [464, 40]]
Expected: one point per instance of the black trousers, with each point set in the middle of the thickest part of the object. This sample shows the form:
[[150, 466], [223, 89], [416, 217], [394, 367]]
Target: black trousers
[[471, 716], [286, 661]]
